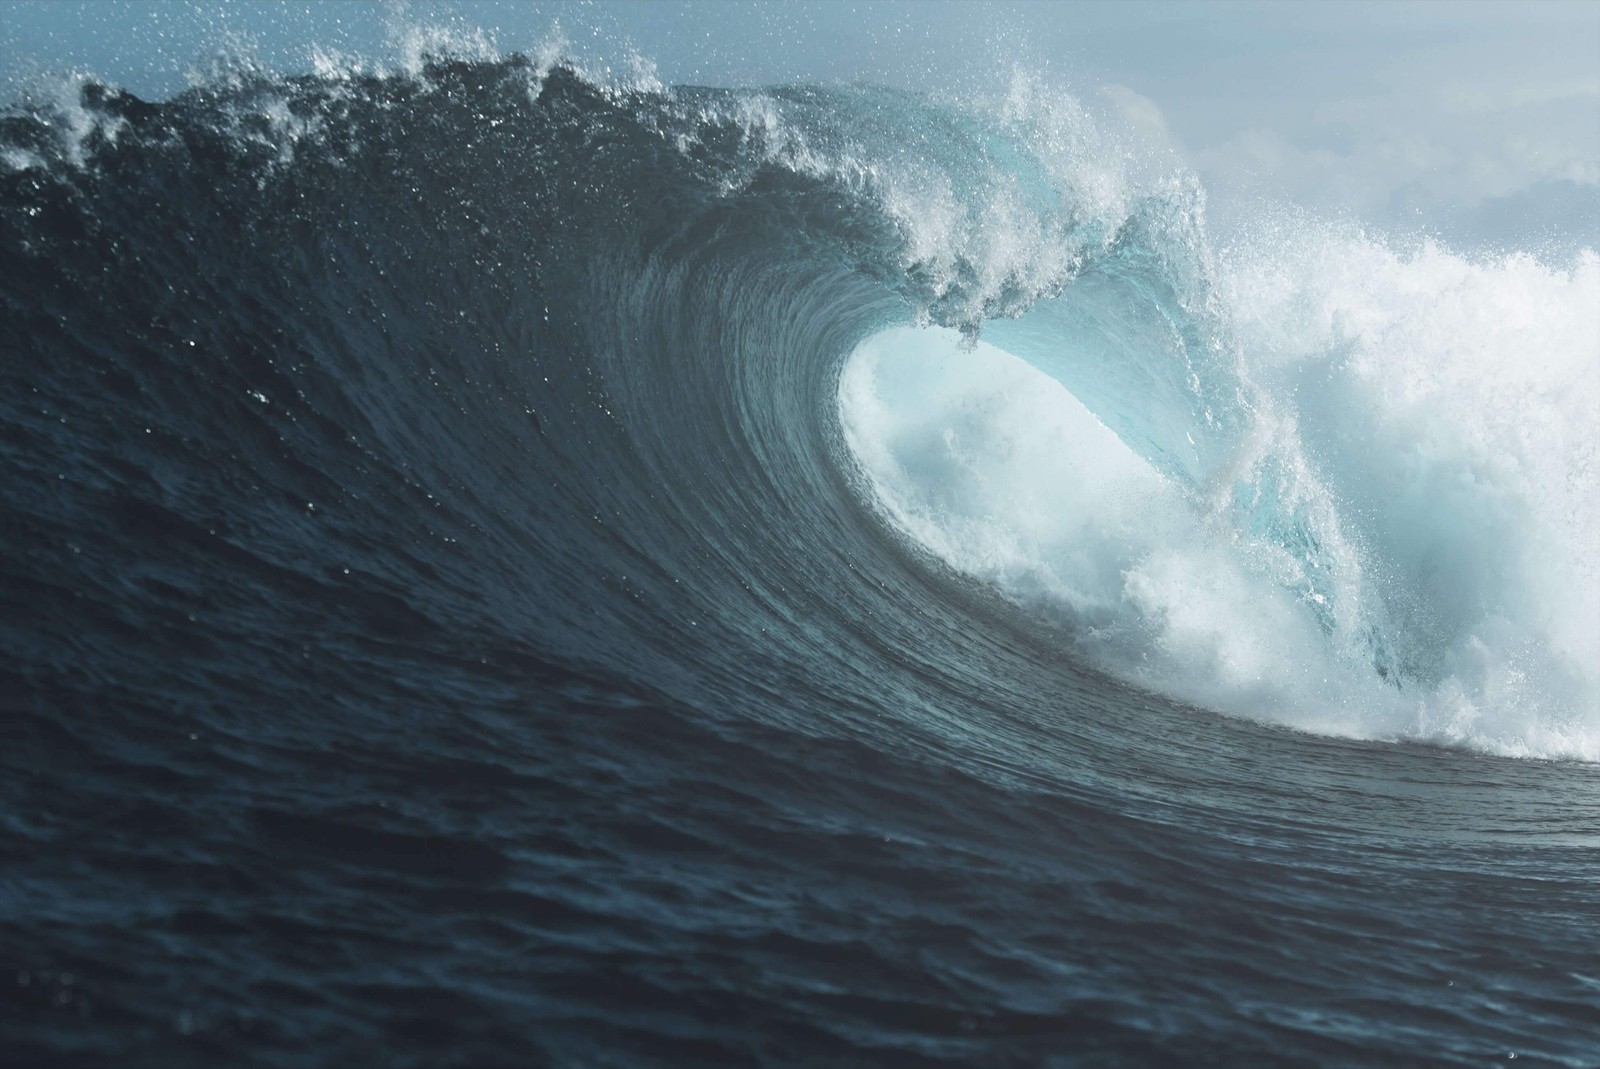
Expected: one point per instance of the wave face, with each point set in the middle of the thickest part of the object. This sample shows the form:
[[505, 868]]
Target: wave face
[[510, 566]]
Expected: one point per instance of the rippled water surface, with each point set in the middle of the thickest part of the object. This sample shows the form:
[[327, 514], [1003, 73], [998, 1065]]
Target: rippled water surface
[[486, 579]]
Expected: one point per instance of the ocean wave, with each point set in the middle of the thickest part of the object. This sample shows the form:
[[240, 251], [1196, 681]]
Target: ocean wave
[[1360, 480], [508, 560]]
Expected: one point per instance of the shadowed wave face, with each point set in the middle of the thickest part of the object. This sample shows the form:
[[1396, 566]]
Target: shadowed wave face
[[505, 567]]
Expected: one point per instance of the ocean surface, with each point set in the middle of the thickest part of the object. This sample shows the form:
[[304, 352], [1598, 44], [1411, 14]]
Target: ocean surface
[[501, 564]]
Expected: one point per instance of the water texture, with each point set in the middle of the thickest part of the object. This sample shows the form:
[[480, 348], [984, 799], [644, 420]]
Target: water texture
[[502, 565]]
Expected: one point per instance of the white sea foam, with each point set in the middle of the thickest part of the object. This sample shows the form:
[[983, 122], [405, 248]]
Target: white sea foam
[[1355, 489], [1451, 405], [1444, 411]]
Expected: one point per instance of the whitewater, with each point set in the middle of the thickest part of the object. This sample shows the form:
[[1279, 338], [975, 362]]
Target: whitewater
[[510, 561], [1399, 544], [1367, 501]]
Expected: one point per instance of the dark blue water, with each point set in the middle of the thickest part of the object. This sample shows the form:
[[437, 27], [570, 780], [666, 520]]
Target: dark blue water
[[442, 626]]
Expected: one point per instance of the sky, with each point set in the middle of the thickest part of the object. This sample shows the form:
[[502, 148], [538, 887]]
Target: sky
[[1476, 121]]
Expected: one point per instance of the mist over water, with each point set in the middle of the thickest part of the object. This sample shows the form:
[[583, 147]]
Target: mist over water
[[519, 555]]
